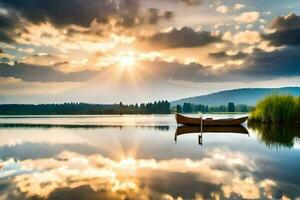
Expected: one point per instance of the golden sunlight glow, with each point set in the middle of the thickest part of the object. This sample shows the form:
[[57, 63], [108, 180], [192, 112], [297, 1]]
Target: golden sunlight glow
[[126, 60]]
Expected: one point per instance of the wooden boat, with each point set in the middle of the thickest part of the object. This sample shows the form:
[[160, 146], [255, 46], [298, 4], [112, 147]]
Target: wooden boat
[[180, 119]]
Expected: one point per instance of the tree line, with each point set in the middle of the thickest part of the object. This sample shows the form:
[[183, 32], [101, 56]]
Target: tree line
[[159, 107], [231, 107]]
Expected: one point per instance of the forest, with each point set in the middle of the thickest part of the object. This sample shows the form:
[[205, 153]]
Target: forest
[[159, 107]]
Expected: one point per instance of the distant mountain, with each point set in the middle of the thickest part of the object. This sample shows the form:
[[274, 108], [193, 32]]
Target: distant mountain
[[248, 96]]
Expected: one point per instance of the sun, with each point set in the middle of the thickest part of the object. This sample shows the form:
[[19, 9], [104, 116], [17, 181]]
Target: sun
[[127, 61]]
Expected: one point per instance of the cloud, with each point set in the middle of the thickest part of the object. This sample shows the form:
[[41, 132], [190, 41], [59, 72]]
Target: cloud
[[182, 38], [268, 65], [290, 37], [287, 30], [35, 73], [44, 59], [26, 50], [176, 71], [22, 90], [92, 25], [192, 2], [238, 6], [222, 9], [246, 37], [154, 15], [257, 66], [8, 22], [284, 23], [127, 13], [247, 17], [62, 12], [130, 14], [222, 55]]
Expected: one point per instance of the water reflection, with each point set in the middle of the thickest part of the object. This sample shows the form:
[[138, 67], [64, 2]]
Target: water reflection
[[181, 130], [140, 161], [96, 177], [277, 136]]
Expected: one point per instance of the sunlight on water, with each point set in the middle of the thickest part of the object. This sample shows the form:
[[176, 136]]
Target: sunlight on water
[[145, 162]]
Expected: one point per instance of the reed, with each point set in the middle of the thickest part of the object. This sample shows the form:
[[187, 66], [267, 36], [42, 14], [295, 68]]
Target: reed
[[277, 109]]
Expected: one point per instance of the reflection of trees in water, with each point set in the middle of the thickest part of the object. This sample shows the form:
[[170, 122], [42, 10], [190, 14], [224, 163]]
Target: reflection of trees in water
[[277, 136], [162, 128], [82, 126]]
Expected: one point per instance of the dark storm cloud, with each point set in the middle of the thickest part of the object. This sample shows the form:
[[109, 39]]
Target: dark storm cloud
[[5, 37], [181, 38], [81, 12], [7, 24], [281, 38], [280, 63], [287, 31], [60, 12], [284, 23], [35, 73], [258, 66]]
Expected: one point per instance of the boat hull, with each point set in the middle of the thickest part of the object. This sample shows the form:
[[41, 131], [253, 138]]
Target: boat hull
[[190, 121]]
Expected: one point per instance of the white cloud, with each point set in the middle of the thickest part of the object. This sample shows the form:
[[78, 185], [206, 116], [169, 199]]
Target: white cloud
[[247, 17], [227, 36], [247, 37], [235, 62], [26, 50], [222, 9], [238, 6]]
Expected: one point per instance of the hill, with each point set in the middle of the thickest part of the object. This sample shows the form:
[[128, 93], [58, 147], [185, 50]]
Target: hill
[[248, 96]]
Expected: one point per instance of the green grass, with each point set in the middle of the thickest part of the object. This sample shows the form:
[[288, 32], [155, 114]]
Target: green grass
[[277, 109]]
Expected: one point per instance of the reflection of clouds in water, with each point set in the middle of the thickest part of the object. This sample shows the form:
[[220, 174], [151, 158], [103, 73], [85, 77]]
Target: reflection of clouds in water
[[109, 141], [247, 188], [13, 137], [229, 172]]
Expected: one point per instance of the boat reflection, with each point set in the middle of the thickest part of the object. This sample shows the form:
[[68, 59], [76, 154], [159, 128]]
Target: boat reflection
[[181, 130], [277, 136]]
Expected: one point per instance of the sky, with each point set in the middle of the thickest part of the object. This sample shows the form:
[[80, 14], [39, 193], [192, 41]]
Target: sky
[[107, 51]]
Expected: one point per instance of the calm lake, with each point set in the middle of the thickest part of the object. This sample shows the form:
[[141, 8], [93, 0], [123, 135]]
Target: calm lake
[[144, 157]]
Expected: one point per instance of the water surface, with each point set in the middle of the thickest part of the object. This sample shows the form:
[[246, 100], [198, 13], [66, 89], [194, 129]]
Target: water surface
[[141, 157]]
